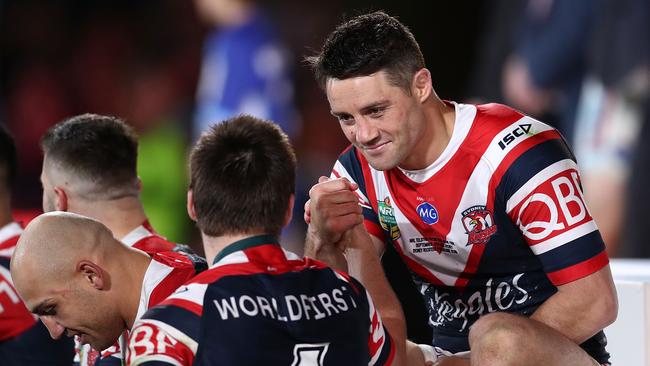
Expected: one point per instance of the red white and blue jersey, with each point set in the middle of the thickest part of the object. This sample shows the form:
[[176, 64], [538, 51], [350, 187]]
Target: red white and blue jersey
[[258, 305], [23, 339], [14, 316], [494, 224]]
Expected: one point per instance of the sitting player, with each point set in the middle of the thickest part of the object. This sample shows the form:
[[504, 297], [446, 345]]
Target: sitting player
[[259, 304]]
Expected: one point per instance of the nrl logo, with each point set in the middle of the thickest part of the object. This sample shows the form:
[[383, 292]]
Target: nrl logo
[[387, 218], [479, 225]]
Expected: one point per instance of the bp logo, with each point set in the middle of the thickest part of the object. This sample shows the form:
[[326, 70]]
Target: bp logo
[[427, 213], [387, 218]]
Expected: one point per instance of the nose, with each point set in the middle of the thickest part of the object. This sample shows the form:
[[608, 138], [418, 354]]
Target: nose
[[56, 330], [367, 133]]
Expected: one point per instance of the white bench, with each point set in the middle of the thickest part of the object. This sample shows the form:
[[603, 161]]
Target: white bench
[[629, 337]]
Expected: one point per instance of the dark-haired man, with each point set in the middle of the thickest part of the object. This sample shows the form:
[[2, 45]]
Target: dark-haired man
[[483, 204], [23, 339], [89, 168], [259, 304]]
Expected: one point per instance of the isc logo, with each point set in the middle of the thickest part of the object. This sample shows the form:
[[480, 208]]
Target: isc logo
[[512, 136], [427, 213]]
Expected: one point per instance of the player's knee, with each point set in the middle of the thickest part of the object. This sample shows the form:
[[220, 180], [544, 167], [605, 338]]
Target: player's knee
[[498, 332]]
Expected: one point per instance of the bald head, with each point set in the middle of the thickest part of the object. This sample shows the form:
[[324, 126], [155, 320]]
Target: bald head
[[53, 242]]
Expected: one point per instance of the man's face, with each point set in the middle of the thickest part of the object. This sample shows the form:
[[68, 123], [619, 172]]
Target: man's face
[[68, 309], [382, 120]]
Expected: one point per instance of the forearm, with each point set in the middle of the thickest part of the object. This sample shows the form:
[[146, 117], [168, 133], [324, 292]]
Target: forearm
[[364, 265]]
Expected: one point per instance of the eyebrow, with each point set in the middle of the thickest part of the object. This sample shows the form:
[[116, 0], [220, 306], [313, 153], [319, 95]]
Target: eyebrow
[[40, 308], [364, 109]]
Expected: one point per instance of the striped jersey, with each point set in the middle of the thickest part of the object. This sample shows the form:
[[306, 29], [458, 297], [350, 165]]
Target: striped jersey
[[260, 304], [14, 316], [23, 339], [494, 224]]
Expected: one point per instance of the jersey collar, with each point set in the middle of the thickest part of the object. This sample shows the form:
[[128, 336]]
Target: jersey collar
[[247, 243]]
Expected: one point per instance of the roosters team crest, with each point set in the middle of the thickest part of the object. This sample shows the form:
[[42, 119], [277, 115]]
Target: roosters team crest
[[479, 225]]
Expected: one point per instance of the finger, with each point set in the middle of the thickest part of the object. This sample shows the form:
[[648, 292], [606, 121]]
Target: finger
[[326, 199], [323, 179], [341, 209], [343, 223], [332, 185]]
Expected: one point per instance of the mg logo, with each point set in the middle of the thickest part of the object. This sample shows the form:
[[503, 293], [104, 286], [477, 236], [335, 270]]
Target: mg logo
[[427, 213]]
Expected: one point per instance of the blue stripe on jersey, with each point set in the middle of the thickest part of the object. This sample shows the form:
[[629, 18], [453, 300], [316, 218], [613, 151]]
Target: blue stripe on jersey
[[531, 162], [179, 318], [351, 163], [573, 252], [108, 361], [4, 262]]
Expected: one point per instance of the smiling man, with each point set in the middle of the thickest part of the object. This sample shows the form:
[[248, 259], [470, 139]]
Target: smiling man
[[483, 204], [81, 281]]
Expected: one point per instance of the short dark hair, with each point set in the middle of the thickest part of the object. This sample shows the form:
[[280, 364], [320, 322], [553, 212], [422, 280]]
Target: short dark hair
[[99, 149], [8, 160], [242, 175], [366, 44]]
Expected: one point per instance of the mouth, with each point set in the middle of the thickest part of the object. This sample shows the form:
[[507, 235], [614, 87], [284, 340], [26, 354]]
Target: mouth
[[375, 149]]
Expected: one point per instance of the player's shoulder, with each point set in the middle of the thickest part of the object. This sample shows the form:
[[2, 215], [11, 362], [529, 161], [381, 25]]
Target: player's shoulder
[[497, 111], [154, 244]]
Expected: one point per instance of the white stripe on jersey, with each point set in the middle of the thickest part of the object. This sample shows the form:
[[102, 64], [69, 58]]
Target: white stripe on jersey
[[7, 252], [340, 169], [162, 358], [565, 237], [465, 114], [9, 231], [539, 178], [233, 258], [155, 274], [136, 235], [193, 292], [290, 255]]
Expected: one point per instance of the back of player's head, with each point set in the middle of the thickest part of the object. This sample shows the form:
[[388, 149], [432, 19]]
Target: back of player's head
[[366, 44], [100, 150], [8, 164], [242, 174]]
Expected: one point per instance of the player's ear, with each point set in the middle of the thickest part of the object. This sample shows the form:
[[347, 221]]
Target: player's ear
[[60, 199], [422, 86], [93, 274], [289, 214], [190, 205], [139, 185]]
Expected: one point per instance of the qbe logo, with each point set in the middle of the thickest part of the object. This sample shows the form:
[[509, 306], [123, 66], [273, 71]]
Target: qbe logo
[[556, 206], [427, 213]]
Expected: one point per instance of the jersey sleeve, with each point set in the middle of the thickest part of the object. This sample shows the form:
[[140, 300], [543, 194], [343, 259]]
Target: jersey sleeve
[[350, 165], [14, 316], [542, 192], [380, 343], [168, 333]]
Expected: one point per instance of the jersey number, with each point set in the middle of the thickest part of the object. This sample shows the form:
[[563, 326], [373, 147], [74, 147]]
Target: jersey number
[[309, 354]]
